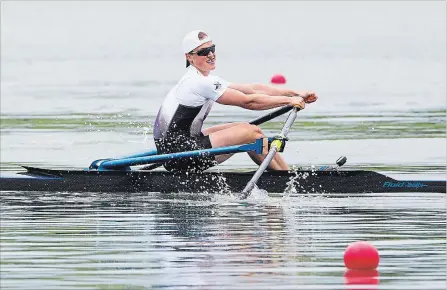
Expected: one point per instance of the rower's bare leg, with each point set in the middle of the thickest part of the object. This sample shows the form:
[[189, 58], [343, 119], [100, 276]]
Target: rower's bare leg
[[242, 133], [220, 158], [220, 127]]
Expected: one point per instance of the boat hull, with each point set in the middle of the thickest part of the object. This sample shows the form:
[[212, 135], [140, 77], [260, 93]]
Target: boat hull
[[304, 181]]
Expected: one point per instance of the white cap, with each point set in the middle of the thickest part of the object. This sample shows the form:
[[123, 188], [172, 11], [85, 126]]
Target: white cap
[[194, 39]]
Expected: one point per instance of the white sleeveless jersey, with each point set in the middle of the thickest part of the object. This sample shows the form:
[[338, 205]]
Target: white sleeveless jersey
[[188, 103]]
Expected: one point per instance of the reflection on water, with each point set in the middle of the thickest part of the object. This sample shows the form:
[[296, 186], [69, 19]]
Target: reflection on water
[[115, 241]]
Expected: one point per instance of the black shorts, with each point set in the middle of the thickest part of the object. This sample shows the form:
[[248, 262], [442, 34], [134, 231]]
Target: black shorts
[[182, 143]]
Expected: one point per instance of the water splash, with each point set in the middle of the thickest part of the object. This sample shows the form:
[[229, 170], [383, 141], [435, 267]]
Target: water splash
[[293, 185], [258, 194]]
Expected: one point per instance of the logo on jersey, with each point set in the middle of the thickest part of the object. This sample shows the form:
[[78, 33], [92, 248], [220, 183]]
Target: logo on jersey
[[218, 85]]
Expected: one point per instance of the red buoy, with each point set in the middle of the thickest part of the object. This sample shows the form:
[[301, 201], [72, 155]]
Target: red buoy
[[361, 256], [278, 79]]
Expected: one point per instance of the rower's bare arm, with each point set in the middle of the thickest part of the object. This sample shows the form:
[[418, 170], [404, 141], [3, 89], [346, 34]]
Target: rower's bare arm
[[244, 88], [308, 96], [261, 89], [257, 101], [271, 90]]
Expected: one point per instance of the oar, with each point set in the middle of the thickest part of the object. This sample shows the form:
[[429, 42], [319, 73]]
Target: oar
[[257, 121], [271, 115], [276, 144]]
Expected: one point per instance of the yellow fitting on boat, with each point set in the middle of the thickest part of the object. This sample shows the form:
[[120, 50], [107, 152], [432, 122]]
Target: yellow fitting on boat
[[276, 143]]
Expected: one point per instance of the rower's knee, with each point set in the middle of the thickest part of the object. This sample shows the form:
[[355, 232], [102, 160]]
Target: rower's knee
[[250, 132], [255, 132]]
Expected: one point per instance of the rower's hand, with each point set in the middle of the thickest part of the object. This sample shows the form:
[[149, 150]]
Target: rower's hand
[[297, 102], [308, 96]]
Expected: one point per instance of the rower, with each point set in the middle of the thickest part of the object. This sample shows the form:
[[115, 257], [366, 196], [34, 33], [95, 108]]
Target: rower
[[178, 126]]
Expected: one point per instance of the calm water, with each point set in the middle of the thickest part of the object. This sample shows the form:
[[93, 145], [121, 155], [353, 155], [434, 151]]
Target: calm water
[[82, 81], [108, 241]]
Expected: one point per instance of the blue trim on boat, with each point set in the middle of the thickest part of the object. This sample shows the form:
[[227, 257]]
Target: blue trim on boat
[[124, 163]]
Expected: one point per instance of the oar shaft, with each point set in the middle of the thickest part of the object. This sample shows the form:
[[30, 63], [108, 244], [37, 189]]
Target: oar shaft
[[251, 184], [271, 115], [275, 146], [289, 122]]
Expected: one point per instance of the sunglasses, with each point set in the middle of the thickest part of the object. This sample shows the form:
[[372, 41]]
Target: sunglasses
[[205, 51]]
